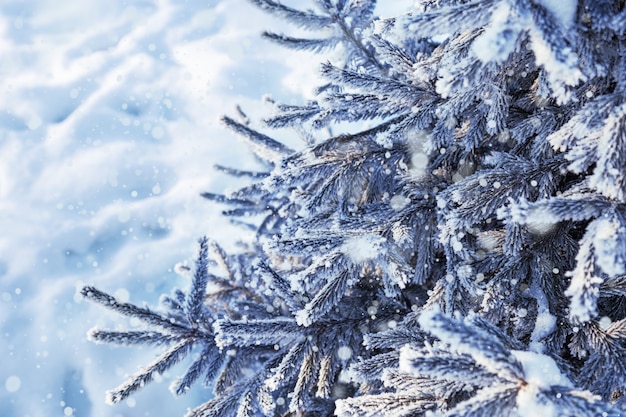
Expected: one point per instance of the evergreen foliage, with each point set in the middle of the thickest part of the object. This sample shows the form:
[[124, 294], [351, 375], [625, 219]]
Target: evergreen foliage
[[461, 251]]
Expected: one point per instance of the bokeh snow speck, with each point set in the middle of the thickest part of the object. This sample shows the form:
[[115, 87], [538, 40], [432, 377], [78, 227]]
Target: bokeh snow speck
[[108, 134]]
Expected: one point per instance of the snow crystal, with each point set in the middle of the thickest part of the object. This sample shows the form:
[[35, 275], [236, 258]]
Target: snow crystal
[[465, 271], [34, 122], [344, 353], [157, 132], [12, 383], [362, 248], [303, 317], [122, 295], [384, 141]]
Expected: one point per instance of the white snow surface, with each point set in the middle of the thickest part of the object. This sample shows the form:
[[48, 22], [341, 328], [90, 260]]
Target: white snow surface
[[108, 133]]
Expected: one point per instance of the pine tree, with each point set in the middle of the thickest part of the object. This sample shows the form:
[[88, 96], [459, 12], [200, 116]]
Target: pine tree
[[461, 251]]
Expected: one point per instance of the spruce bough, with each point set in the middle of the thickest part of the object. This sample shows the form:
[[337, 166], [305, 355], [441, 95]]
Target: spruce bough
[[461, 251]]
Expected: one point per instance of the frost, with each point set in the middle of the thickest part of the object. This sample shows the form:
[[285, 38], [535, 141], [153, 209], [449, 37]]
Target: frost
[[384, 141], [362, 248]]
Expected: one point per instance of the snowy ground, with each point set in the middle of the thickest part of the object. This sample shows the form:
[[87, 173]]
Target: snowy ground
[[108, 132]]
